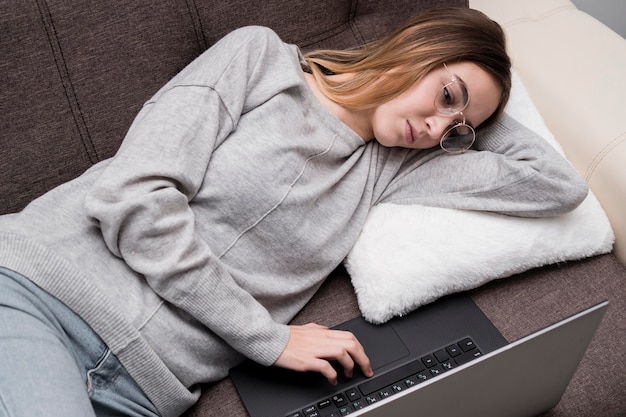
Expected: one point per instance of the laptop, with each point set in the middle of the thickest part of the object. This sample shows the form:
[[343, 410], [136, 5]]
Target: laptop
[[444, 359]]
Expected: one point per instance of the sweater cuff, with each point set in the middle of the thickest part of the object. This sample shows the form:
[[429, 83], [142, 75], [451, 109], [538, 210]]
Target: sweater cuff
[[237, 317]]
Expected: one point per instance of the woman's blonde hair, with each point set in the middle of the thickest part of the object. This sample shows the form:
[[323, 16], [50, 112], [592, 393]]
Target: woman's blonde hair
[[423, 43]]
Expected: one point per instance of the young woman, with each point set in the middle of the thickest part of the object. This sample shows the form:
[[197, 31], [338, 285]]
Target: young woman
[[239, 187]]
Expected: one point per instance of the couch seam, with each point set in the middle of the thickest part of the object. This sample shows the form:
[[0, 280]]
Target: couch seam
[[347, 26], [66, 81], [539, 17], [602, 155], [196, 21], [328, 34], [353, 25]]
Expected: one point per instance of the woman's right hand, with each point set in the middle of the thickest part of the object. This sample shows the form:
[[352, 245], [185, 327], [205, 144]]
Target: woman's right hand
[[311, 347]]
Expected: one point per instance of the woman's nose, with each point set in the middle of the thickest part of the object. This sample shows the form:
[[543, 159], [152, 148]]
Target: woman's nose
[[438, 124]]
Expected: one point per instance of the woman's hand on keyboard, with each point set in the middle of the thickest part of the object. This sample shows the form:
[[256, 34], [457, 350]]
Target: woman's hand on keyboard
[[311, 347]]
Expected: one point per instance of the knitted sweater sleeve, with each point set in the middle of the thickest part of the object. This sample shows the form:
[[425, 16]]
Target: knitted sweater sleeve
[[511, 170], [142, 200]]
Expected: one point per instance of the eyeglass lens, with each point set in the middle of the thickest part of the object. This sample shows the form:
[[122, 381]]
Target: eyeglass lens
[[458, 138], [452, 98]]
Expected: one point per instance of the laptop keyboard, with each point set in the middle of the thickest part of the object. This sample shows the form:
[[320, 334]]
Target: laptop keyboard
[[393, 382]]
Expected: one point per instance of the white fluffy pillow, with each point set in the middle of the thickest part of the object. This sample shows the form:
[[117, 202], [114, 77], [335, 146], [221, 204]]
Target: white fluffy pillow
[[408, 256]]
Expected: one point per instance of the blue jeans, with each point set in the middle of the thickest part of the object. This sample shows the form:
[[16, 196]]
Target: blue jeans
[[53, 364]]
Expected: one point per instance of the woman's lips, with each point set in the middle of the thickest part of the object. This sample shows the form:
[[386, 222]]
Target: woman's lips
[[408, 134]]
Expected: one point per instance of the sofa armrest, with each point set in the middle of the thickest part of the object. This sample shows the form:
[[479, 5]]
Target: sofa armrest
[[573, 67]]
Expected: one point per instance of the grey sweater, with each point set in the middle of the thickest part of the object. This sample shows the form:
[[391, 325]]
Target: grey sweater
[[234, 194]]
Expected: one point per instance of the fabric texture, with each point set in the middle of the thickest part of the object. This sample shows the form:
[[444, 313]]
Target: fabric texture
[[408, 256], [153, 246]]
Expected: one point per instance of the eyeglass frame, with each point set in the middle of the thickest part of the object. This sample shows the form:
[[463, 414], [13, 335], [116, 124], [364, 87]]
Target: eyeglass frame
[[456, 124]]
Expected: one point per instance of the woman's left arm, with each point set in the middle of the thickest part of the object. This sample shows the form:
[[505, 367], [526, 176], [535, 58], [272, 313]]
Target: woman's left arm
[[511, 170]]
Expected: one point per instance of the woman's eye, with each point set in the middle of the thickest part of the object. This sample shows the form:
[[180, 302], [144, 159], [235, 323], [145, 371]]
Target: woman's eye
[[447, 96]]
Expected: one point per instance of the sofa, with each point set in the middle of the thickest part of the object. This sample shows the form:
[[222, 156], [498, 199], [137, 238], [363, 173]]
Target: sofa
[[74, 74]]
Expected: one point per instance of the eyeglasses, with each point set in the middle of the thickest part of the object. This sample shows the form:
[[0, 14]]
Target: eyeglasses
[[452, 99]]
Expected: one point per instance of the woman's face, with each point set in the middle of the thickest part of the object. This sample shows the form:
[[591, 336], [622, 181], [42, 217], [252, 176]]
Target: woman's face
[[411, 119]]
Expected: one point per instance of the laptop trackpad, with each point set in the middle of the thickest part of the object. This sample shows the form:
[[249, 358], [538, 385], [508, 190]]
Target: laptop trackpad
[[382, 344]]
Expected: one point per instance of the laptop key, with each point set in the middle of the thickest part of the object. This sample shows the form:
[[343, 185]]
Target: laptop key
[[467, 357], [436, 370], [384, 380], [357, 405], [429, 361], [324, 403], [453, 350], [385, 393], [339, 400], [409, 382], [353, 394], [467, 344], [441, 355], [371, 399], [422, 376]]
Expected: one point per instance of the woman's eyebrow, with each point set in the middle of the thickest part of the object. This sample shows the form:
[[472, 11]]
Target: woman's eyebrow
[[462, 83]]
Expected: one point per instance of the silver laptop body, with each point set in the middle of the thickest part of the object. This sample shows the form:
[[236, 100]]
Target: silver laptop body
[[524, 378]]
